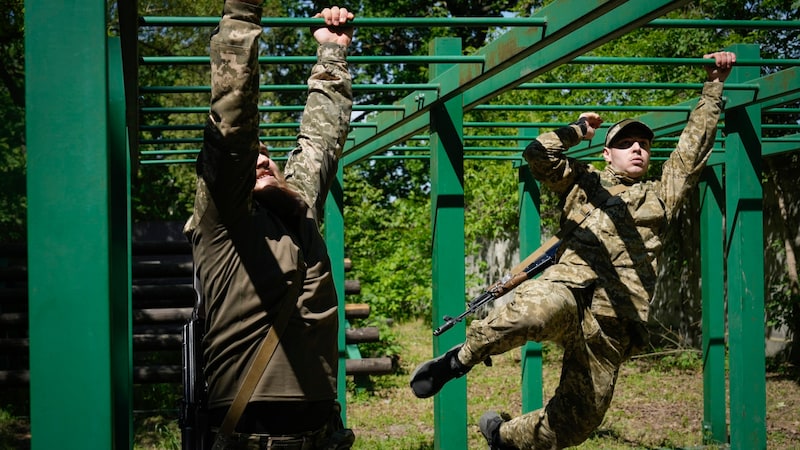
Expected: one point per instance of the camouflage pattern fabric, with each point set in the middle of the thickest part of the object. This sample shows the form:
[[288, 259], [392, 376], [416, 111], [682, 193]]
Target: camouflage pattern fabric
[[250, 258], [312, 165], [594, 301]]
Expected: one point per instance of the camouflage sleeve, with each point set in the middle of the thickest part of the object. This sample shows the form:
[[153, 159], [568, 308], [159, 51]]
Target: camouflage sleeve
[[547, 161], [312, 165], [226, 164], [682, 170]]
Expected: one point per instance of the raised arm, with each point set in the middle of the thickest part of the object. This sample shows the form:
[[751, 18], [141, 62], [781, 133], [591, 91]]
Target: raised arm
[[325, 123], [682, 170], [546, 158], [226, 164]]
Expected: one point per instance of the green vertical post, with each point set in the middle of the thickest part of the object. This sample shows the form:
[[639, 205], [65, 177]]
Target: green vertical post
[[745, 262], [334, 239], [712, 258], [120, 250], [530, 238], [77, 307], [449, 280]]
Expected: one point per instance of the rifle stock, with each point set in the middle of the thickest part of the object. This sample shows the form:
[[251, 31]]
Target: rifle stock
[[533, 265], [193, 419]]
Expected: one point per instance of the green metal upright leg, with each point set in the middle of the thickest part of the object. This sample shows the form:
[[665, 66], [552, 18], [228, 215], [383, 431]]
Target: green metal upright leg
[[449, 280], [712, 198], [334, 239], [530, 238], [744, 215], [78, 258]]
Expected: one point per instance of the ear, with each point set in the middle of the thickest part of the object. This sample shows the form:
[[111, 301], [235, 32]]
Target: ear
[[606, 154]]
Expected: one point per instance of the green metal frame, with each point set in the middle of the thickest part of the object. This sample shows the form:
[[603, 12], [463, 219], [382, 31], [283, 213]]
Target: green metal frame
[[79, 215], [78, 228]]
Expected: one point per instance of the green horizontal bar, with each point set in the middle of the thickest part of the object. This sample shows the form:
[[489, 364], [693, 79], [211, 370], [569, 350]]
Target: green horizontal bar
[[472, 59], [417, 22], [702, 23], [298, 108], [780, 126], [168, 152], [192, 140], [154, 162], [579, 108], [286, 60], [286, 88], [782, 110], [278, 125], [677, 61], [632, 85], [358, 22]]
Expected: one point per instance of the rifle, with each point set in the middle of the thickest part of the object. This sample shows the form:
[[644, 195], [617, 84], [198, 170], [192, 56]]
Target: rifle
[[533, 265], [194, 407]]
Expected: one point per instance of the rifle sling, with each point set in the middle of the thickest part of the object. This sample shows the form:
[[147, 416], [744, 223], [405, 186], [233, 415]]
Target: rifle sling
[[265, 352], [587, 210]]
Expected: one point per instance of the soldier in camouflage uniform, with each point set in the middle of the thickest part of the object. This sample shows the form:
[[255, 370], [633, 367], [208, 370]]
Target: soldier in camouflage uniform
[[256, 240], [594, 301]]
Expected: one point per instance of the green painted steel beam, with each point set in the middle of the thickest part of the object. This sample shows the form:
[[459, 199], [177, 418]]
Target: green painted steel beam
[[120, 236], [290, 60], [286, 88], [449, 22], [727, 24], [630, 85], [78, 396], [263, 109], [771, 147], [448, 253], [358, 22], [530, 239], [560, 45], [334, 240], [654, 61], [745, 267], [129, 41], [512, 59], [712, 200]]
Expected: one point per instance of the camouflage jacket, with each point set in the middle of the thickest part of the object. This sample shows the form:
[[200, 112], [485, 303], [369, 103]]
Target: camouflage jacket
[[251, 257], [614, 252]]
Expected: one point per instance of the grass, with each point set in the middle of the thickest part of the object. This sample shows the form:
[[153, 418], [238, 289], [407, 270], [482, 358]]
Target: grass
[[658, 404]]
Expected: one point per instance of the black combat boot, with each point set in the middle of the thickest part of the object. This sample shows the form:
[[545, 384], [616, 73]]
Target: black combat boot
[[429, 377], [490, 429]]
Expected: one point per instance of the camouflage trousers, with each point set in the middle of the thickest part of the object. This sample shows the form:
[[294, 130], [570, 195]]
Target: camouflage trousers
[[594, 349]]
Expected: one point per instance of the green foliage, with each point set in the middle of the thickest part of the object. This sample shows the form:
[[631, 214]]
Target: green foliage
[[686, 360], [13, 200], [388, 240]]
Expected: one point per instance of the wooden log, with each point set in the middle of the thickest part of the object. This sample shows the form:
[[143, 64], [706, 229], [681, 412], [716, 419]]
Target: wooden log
[[370, 366], [156, 315], [362, 335], [15, 378], [356, 311], [158, 374], [14, 319], [161, 269], [173, 373], [352, 287]]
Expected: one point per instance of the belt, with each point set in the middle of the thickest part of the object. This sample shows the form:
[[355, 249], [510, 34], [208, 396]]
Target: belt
[[256, 441]]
